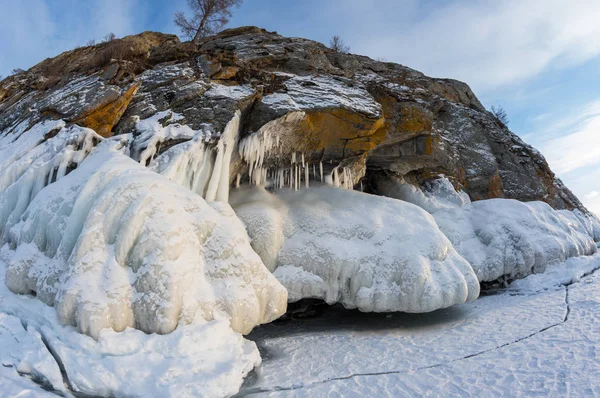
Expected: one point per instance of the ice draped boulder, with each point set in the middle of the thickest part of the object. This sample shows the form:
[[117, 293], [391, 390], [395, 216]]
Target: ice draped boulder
[[504, 238], [115, 245], [363, 251]]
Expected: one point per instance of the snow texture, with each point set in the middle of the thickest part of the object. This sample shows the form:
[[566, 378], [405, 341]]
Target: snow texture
[[95, 244], [204, 359], [511, 239], [363, 251]]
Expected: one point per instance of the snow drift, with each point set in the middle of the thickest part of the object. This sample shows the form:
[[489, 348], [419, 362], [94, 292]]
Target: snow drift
[[512, 239], [364, 251], [96, 245]]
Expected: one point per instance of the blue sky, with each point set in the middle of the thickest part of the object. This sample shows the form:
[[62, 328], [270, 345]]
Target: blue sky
[[539, 59]]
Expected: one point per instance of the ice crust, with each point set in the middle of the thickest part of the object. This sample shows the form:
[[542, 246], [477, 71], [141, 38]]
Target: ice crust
[[512, 239], [364, 251], [97, 246]]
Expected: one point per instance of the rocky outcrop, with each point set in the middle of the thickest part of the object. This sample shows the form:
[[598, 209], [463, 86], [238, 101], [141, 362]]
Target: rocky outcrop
[[362, 121]]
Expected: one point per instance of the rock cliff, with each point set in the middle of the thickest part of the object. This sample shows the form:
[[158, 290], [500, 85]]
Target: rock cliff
[[345, 118]]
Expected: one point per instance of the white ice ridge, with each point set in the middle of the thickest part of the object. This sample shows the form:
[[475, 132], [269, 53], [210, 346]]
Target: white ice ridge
[[366, 252], [508, 238], [266, 146], [114, 245], [195, 164]]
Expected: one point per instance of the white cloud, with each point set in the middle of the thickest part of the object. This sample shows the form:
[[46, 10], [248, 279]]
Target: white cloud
[[574, 153], [592, 195], [32, 30], [579, 144], [488, 44]]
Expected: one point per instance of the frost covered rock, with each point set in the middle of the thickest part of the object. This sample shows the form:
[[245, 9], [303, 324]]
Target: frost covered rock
[[363, 251], [114, 245], [507, 238]]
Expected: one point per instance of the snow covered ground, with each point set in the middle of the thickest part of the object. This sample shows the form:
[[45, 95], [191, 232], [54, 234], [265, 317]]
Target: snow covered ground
[[539, 337]]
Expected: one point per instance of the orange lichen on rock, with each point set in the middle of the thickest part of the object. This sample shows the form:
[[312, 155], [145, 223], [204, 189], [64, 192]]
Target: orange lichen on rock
[[414, 120], [348, 132], [103, 118], [226, 73], [495, 186]]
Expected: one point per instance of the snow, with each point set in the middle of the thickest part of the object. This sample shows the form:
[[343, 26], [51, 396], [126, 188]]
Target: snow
[[236, 93], [319, 92], [204, 359], [363, 251], [512, 239]]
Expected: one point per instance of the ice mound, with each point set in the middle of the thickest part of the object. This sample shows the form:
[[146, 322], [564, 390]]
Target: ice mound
[[364, 251], [508, 238], [205, 359], [115, 245]]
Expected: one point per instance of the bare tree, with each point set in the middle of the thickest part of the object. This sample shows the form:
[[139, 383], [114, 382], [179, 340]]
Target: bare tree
[[109, 37], [208, 17], [337, 44], [16, 71], [500, 115], [91, 43]]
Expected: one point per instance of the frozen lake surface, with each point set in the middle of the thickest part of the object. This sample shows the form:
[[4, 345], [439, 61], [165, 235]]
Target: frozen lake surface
[[514, 343]]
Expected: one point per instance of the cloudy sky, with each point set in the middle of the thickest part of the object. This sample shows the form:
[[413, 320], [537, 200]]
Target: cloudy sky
[[539, 59]]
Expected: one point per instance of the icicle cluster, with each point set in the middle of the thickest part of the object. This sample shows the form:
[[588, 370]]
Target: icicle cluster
[[255, 150], [197, 165]]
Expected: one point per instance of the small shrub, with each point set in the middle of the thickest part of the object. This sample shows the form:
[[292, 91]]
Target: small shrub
[[500, 115], [337, 44]]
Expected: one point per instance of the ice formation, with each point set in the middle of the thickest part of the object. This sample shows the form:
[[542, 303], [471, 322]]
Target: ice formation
[[364, 251], [33, 159], [197, 164], [508, 238], [269, 165], [203, 359], [96, 246], [438, 194]]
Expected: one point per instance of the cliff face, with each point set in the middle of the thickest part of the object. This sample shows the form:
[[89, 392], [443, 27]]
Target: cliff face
[[364, 122]]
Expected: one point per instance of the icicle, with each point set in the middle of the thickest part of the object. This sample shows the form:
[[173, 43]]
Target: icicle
[[302, 159], [218, 187], [237, 180], [314, 171], [293, 157], [336, 178], [306, 176], [321, 170]]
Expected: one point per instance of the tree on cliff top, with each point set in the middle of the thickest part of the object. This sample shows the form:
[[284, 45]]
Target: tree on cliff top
[[208, 17], [337, 44], [500, 115]]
